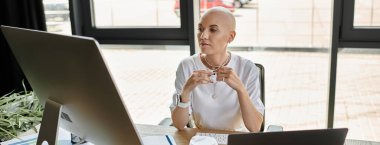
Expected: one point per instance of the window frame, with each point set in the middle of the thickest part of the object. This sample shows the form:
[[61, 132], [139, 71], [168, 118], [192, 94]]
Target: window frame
[[369, 36], [83, 24], [344, 35]]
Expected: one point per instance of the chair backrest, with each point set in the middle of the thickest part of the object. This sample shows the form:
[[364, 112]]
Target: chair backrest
[[262, 89]]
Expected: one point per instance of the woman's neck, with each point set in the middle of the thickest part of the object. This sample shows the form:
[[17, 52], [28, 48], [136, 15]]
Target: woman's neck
[[217, 59]]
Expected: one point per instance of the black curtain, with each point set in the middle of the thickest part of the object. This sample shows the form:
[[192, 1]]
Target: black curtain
[[18, 13]]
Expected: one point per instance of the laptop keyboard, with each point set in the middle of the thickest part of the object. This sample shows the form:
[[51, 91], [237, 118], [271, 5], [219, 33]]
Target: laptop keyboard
[[220, 138], [359, 142]]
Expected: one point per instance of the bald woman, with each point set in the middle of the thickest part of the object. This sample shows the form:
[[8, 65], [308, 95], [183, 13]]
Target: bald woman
[[217, 89]]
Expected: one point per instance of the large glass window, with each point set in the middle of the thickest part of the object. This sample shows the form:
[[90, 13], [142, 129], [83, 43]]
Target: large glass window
[[360, 21], [57, 16], [295, 23], [291, 39], [296, 72], [296, 85], [367, 13], [356, 95], [144, 74], [162, 22], [137, 13], [270, 23], [357, 104]]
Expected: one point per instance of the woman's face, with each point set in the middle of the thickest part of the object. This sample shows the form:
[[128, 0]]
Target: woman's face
[[214, 33]]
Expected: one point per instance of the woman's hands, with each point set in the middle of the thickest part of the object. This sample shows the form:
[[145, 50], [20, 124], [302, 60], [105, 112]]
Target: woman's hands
[[251, 117], [225, 74], [229, 76], [198, 77]]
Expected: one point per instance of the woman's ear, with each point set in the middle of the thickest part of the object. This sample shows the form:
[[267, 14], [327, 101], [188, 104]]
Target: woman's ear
[[232, 36]]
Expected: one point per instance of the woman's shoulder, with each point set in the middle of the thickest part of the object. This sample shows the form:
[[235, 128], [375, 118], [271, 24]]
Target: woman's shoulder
[[245, 66], [241, 60], [189, 62], [190, 59]]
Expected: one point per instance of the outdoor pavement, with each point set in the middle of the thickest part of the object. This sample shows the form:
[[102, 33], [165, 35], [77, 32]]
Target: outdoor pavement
[[296, 87]]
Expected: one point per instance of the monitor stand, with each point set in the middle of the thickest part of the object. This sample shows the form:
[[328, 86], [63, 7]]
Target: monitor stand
[[50, 121]]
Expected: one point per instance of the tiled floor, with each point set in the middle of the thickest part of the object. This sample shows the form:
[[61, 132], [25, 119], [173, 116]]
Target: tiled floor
[[296, 87]]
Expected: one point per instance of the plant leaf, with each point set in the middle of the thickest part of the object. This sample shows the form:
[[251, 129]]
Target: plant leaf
[[19, 112]]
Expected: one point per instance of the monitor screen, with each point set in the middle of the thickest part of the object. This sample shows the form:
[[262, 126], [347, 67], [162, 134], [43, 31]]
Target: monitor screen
[[70, 77]]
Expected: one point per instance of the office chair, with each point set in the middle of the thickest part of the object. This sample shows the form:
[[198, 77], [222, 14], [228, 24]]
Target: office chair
[[169, 122], [262, 90]]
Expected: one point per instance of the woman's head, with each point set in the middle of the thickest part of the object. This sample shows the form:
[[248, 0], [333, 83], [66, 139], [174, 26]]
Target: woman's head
[[215, 30]]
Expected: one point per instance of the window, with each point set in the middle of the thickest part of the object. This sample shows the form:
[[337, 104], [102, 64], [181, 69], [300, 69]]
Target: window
[[163, 22], [367, 13], [357, 93], [354, 69], [360, 21], [57, 16], [291, 39], [136, 13], [144, 75]]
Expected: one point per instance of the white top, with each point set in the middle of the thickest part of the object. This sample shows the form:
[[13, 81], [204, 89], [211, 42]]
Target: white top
[[216, 105]]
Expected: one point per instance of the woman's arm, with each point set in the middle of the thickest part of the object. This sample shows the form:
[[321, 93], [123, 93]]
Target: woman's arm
[[251, 116], [180, 116]]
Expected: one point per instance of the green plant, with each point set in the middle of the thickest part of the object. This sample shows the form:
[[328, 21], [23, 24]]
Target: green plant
[[19, 112]]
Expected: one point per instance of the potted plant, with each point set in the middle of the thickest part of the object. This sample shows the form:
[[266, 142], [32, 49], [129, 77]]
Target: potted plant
[[19, 112]]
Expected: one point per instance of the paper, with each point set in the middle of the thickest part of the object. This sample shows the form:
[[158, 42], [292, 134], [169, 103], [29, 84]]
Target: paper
[[64, 138], [159, 140]]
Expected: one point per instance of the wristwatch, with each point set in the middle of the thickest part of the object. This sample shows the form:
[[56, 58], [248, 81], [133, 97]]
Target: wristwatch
[[181, 104]]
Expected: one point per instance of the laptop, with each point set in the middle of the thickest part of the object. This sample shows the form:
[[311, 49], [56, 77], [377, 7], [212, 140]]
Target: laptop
[[334, 136]]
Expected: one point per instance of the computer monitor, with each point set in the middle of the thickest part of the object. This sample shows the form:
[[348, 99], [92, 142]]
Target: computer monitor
[[70, 77]]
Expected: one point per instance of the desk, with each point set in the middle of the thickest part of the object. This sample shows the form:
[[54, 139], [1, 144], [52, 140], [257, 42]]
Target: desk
[[183, 137]]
